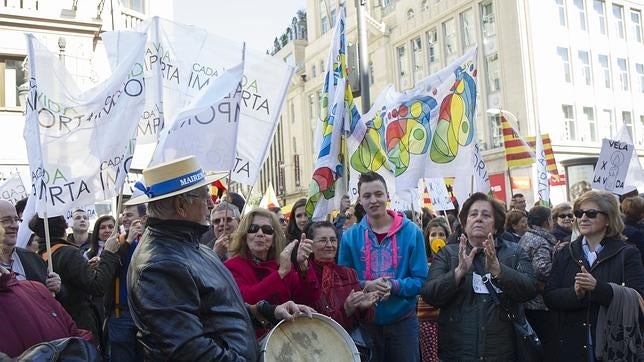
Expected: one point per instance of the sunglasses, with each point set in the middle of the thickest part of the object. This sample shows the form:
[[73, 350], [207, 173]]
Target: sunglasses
[[219, 221], [591, 213], [563, 216], [266, 229]]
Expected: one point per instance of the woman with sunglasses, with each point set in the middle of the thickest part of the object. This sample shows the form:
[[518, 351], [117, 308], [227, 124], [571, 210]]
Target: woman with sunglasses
[[563, 218], [578, 285], [261, 262]]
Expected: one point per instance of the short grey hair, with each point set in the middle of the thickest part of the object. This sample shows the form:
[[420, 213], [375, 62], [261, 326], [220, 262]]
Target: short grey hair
[[226, 206]]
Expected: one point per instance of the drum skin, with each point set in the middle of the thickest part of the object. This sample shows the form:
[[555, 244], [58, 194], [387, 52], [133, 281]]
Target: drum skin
[[308, 339]]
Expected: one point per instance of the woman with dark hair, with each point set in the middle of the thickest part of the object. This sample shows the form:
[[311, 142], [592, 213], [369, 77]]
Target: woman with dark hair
[[79, 280], [261, 262], [103, 229], [587, 276], [341, 297], [297, 221], [563, 218], [436, 233], [633, 209], [516, 224], [539, 244], [471, 324]]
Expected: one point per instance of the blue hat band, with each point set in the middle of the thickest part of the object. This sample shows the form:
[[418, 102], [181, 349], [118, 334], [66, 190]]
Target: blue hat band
[[171, 185]]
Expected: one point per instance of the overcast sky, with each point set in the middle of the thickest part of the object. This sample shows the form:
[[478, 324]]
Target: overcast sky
[[257, 22]]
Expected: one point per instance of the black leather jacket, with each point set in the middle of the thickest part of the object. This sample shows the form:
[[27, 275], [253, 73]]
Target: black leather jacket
[[184, 301]]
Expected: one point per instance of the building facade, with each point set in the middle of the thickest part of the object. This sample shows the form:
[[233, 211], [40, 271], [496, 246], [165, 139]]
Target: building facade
[[572, 67]]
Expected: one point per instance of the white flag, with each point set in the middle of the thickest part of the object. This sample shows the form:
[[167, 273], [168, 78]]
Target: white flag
[[79, 144], [543, 183], [206, 128], [12, 189]]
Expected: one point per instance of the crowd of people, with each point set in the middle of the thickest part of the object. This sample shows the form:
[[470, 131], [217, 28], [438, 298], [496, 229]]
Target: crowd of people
[[179, 277]]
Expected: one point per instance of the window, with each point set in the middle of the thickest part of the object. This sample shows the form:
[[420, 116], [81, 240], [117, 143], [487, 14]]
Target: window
[[618, 15], [581, 12], [623, 74], [565, 62], [607, 123], [11, 77], [467, 28], [313, 71], [417, 59], [497, 131], [433, 56], [403, 72], [297, 170], [636, 20], [487, 17], [561, 11], [600, 10], [333, 17], [136, 5], [324, 20], [628, 122], [589, 114], [639, 69], [605, 69], [312, 108], [584, 59], [451, 48], [569, 122], [493, 72], [372, 73]]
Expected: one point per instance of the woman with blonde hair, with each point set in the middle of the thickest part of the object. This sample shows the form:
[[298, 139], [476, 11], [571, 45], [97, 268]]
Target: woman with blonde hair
[[587, 275], [261, 262]]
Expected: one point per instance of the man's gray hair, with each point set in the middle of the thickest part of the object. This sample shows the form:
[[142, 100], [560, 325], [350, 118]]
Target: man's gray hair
[[225, 205], [164, 209]]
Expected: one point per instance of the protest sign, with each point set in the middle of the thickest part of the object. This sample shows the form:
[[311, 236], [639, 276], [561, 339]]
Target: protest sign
[[612, 166]]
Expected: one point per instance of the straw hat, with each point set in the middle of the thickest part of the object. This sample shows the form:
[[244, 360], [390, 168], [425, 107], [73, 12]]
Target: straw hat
[[172, 178]]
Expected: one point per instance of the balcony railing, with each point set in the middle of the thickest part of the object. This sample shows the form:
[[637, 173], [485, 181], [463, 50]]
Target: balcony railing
[[131, 18], [20, 4]]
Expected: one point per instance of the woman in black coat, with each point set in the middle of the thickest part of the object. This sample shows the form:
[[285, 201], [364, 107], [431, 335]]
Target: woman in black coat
[[578, 283]]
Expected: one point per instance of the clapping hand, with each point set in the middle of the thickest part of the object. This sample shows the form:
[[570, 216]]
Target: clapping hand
[[465, 259], [492, 264], [584, 282]]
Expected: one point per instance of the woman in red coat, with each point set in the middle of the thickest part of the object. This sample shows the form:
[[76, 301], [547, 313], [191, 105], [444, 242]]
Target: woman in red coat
[[262, 266]]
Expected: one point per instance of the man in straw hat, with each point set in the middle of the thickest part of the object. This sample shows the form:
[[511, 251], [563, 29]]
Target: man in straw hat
[[183, 300]]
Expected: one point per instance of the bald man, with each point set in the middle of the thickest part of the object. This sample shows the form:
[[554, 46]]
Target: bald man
[[24, 263]]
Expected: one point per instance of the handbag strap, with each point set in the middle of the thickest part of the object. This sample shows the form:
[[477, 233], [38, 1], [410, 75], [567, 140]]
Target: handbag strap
[[497, 299]]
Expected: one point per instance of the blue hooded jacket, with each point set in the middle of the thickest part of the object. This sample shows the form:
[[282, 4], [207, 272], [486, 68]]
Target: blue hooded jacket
[[400, 257]]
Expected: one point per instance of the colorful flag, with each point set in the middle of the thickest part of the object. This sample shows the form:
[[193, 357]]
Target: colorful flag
[[80, 143], [547, 147], [517, 151], [338, 117], [270, 198], [427, 131]]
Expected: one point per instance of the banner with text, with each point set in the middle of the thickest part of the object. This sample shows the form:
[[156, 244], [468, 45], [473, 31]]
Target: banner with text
[[612, 166], [79, 144], [12, 189]]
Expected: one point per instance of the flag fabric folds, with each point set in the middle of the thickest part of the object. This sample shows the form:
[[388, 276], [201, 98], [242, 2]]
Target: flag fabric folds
[[338, 117], [517, 151], [270, 198], [547, 148], [427, 131], [79, 143], [542, 179]]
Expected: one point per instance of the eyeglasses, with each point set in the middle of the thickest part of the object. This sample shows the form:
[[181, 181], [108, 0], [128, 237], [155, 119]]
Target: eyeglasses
[[563, 216], [591, 213], [325, 241], [220, 220], [266, 229], [10, 220]]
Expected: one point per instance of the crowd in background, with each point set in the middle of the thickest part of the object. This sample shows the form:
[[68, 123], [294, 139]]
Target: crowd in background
[[407, 286]]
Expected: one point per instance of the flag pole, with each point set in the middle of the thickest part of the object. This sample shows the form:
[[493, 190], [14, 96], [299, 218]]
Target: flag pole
[[50, 266], [228, 177], [449, 227]]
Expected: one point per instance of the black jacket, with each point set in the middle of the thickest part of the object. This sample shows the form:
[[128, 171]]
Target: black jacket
[[35, 267], [81, 282], [471, 326], [560, 233], [184, 301], [617, 263]]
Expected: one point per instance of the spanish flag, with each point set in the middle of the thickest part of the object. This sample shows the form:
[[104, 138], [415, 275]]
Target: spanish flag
[[517, 151], [547, 147]]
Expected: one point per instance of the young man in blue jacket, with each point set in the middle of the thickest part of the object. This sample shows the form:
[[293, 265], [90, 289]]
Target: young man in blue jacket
[[388, 253]]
